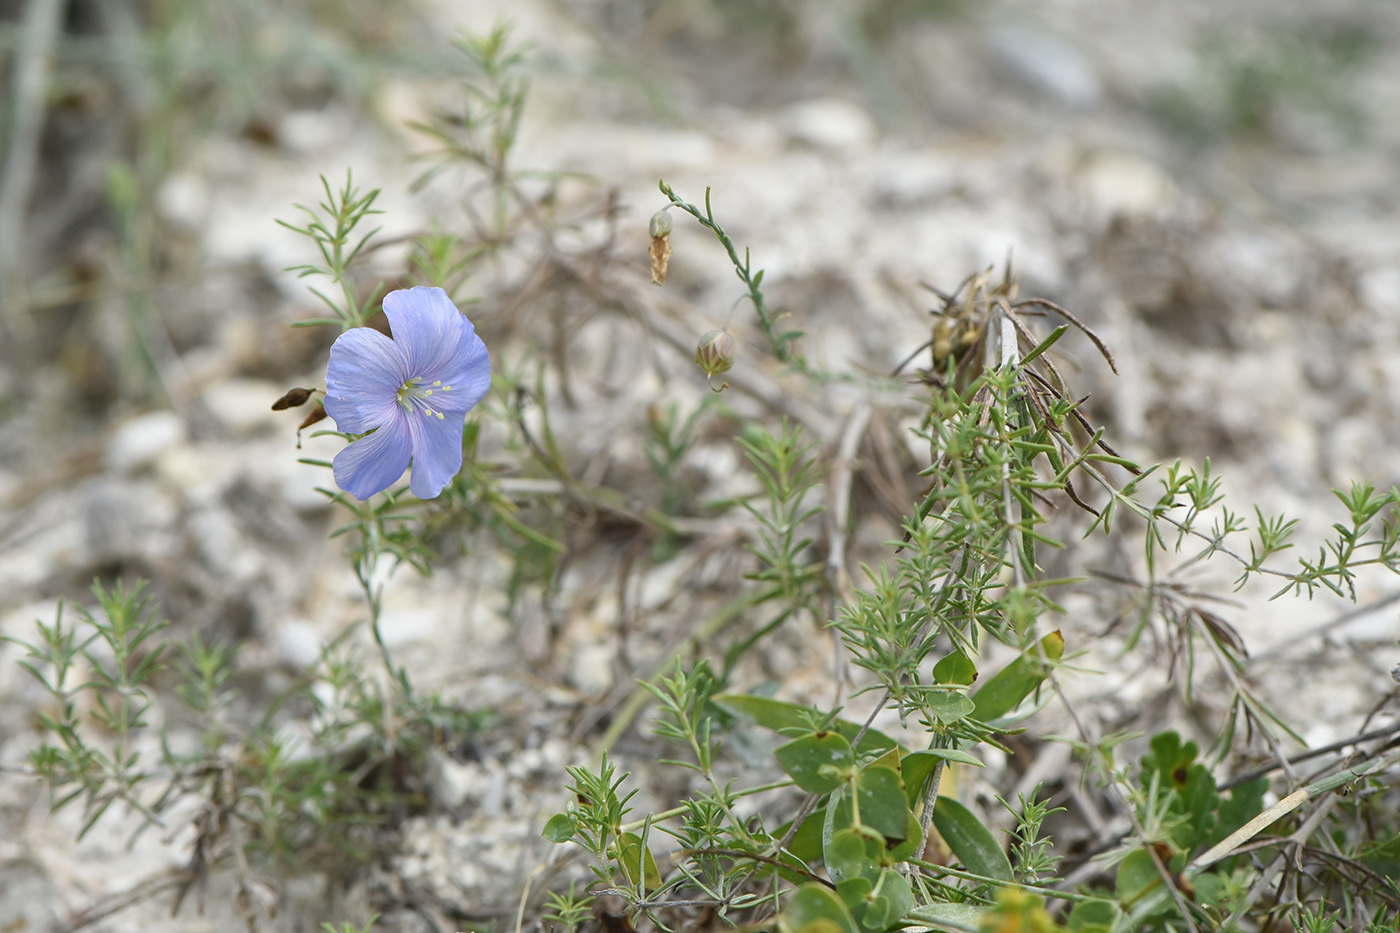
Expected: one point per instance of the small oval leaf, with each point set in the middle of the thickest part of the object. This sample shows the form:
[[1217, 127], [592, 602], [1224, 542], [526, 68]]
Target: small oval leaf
[[815, 908], [560, 828], [956, 668], [948, 706], [815, 761], [883, 806], [850, 855]]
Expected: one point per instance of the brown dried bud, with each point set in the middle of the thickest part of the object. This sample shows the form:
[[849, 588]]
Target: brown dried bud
[[942, 341], [660, 229], [294, 398], [316, 414]]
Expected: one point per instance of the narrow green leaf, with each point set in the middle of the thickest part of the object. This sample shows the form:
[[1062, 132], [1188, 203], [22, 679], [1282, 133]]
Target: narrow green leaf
[[971, 841], [1013, 683], [778, 716]]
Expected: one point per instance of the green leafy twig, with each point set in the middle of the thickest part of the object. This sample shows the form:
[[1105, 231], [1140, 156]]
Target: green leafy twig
[[781, 342]]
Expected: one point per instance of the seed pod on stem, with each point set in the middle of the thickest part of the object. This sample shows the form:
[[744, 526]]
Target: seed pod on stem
[[660, 230], [715, 355]]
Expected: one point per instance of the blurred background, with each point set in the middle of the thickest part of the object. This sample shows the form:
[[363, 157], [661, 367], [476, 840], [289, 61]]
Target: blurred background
[[1214, 187]]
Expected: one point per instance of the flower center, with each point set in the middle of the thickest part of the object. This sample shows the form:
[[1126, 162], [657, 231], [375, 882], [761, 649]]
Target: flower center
[[413, 395]]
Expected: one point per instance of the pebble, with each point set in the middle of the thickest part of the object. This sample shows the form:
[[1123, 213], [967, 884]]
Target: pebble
[[831, 124], [244, 406], [1046, 63], [143, 440], [298, 643]]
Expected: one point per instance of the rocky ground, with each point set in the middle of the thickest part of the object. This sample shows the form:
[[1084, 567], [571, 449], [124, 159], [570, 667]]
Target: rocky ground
[[1212, 187]]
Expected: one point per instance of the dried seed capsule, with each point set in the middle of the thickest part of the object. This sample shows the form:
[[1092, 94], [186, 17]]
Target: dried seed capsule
[[316, 414], [716, 354], [660, 229]]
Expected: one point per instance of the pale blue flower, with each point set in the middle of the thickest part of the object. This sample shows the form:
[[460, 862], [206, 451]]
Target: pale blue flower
[[409, 396]]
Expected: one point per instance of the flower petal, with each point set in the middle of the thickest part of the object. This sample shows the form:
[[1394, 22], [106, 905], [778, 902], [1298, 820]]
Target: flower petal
[[437, 451], [372, 464], [363, 378], [428, 328], [469, 375]]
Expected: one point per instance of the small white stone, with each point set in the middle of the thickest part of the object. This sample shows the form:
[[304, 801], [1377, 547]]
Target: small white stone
[[299, 644], [183, 200], [1119, 184], [141, 441], [829, 123], [244, 406], [1046, 63], [314, 130]]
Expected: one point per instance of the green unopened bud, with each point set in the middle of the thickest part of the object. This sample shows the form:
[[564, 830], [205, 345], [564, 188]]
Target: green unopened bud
[[716, 353]]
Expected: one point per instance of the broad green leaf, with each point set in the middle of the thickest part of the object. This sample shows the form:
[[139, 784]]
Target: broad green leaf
[[887, 903], [883, 806], [972, 842], [1013, 683], [890, 759], [956, 668], [815, 908], [815, 762], [1137, 875], [953, 917], [632, 862], [912, 844], [917, 766], [560, 828], [851, 854], [948, 706], [778, 715], [1093, 916], [1382, 857], [807, 841], [854, 891]]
